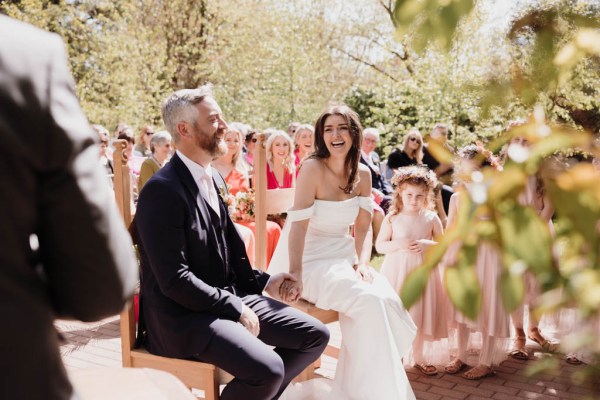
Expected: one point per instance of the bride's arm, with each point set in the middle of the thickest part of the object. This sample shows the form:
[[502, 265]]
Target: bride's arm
[[363, 221], [304, 197]]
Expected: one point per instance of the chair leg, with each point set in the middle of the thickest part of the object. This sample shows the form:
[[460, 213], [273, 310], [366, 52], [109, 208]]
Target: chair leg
[[317, 363], [308, 373]]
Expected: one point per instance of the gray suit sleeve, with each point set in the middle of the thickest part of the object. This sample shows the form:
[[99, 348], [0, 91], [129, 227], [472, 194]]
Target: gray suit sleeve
[[88, 255]]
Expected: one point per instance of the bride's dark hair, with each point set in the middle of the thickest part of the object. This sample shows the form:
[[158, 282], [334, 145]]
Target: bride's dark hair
[[353, 156]]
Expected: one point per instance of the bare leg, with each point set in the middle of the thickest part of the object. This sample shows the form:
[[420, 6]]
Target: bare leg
[[459, 362]]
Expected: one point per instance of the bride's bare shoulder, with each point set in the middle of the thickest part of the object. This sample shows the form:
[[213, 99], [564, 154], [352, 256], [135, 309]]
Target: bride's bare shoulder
[[310, 167]]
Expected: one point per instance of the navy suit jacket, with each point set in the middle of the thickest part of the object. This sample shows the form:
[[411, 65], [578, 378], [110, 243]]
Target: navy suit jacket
[[186, 266], [377, 180]]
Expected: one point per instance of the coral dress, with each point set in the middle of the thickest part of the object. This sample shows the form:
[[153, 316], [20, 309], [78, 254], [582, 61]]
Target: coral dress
[[237, 182], [429, 312], [376, 329]]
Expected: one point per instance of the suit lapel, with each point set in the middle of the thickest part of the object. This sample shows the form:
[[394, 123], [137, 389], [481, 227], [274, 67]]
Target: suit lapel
[[364, 161], [201, 206]]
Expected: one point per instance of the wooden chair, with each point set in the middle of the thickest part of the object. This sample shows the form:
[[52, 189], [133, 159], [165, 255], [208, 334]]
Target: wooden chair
[[278, 201], [193, 374]]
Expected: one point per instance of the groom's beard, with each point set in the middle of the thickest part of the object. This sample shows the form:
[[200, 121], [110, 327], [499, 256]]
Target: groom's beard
[[214, 144]]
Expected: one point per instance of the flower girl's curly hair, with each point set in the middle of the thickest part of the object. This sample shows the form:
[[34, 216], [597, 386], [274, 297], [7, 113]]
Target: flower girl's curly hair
[[412, 175]]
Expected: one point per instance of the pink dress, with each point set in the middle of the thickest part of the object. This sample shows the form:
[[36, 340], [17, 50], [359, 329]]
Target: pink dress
[[493, 321], [429, 312], [530, 197]]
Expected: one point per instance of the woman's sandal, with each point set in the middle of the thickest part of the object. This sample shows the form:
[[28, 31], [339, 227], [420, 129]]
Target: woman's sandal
[[573, 360], [455, 366], [427, 369], [479, 372], [519, 350], [546, 345]]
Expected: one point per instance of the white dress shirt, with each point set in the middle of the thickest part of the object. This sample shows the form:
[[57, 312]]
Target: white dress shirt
[[203, 178]]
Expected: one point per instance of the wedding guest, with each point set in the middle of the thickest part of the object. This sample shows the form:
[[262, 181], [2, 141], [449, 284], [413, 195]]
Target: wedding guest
[[249, 144], [443, 170], [409, 229], [160, 146], [534, 195], [142, 148], [411, 153], [134, 162], [493, 322], [231, 165], [333, 192], [382, 189], [281, 168], [292, 129], [233, 169], [121, 126], [304, 142], [127, 134], [200, 299], [65, 251], [105, 158]]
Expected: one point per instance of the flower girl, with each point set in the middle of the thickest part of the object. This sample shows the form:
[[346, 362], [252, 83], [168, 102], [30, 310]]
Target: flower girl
[[407, 231]]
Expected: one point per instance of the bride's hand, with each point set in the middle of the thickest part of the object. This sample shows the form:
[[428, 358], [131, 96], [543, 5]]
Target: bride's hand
[[281, 285], [364, 273], [285, 287]]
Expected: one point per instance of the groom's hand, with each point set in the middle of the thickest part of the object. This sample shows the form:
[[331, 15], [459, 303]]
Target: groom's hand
[[250, 320]]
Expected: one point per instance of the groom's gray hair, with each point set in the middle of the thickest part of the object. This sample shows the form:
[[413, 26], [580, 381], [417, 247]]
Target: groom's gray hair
[[180, 107]]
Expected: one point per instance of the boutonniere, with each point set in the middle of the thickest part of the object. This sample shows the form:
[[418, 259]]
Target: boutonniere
[[228, 199]]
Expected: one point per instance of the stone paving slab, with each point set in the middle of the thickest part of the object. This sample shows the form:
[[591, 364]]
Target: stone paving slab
[[98, 345]]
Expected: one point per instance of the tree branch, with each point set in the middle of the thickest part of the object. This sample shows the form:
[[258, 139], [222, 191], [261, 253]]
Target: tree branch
[[365, 62]]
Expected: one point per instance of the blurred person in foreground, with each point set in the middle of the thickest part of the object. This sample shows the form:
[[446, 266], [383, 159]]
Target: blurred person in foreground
[[65, 252]]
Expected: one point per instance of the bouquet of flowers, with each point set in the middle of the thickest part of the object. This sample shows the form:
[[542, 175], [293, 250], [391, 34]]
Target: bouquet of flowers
[[244, 206]]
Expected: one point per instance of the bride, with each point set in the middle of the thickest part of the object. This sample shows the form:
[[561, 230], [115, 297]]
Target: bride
[[333, 192]]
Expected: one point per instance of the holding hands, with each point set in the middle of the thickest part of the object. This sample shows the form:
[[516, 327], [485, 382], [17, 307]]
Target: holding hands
[[285, 287]]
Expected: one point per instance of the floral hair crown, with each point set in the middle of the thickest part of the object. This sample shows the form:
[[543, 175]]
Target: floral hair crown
[[415, 175], [472, 151]]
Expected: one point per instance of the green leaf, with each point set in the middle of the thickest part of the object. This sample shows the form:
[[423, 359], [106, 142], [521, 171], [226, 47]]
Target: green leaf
[[439, 151], [507, 184], [414, 285], [525, 237], [576, 197], [512, 289], [462, 283]]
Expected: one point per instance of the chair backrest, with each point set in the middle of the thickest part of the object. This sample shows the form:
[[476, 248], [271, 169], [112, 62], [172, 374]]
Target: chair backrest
[[123, 199], [274, 201]]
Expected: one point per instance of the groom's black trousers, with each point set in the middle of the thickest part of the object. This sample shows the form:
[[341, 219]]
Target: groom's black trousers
[[262, 372]]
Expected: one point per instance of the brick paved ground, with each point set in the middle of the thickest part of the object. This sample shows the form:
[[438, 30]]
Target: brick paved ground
[[99, 345]]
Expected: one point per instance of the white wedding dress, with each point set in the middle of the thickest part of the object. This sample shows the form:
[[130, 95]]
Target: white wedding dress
[[376, 329]]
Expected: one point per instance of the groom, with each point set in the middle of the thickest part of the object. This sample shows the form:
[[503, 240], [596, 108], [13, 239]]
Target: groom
[[200, 298]]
